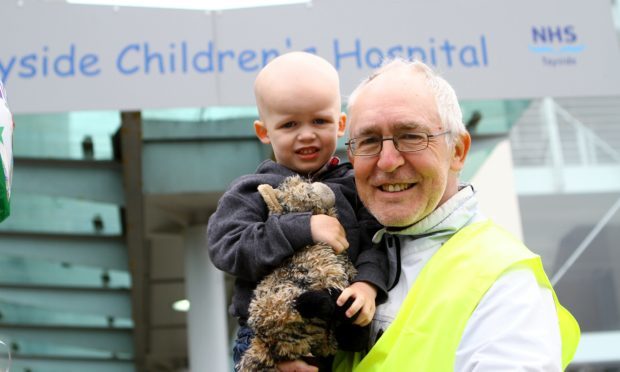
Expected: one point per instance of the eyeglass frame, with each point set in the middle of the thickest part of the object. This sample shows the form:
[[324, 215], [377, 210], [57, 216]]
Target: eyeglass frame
[[395, 142]]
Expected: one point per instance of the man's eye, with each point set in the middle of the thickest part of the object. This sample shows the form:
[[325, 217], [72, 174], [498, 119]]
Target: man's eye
[[412, 137], [368, 141]]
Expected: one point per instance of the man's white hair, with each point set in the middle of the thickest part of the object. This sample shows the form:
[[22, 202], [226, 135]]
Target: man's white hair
[[445, 97]]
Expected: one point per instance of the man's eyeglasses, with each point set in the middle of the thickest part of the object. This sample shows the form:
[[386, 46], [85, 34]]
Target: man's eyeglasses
[[404, 142]]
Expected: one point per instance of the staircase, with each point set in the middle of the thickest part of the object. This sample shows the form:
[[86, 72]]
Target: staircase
[[65, 301], [568, 145]]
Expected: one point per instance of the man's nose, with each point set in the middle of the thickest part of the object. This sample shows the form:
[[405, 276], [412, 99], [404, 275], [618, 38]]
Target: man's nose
[[390, 158]]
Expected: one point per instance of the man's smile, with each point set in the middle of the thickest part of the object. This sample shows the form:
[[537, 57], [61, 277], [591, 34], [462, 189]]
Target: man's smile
[[396, 187]]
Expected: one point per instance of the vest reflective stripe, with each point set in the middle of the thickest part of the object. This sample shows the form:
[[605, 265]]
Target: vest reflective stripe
[[428, 328]]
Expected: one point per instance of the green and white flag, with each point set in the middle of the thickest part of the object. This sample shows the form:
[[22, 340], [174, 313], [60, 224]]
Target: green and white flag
[[6, 154]]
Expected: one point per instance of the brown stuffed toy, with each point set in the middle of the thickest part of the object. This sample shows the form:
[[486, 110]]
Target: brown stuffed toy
[[293, 312]]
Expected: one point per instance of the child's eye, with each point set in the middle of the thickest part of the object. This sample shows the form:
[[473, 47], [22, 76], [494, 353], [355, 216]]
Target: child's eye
[[319, 121], [288, 124]]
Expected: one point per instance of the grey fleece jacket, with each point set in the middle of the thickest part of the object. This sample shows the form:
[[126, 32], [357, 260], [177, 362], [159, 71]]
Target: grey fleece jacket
[[248, 243]]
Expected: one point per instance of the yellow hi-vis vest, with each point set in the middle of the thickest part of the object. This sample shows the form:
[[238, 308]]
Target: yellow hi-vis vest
[[429, 325]]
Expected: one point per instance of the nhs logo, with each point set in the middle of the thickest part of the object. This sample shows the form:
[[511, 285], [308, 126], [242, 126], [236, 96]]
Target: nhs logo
[[557, 45], [551, 34]]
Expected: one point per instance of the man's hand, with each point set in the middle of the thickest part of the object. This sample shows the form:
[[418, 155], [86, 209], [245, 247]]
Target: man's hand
[[364, 295], [328, 230], [296, 366]]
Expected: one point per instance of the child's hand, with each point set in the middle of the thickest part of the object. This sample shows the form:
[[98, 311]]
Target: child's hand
[[328, 230], [364, 295]]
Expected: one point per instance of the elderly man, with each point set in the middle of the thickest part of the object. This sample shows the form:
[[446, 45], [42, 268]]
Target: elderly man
[[465, 295]]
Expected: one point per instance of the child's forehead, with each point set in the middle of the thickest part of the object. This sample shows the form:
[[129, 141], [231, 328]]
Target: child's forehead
[[287, 79], [303, 93], [303, 109]]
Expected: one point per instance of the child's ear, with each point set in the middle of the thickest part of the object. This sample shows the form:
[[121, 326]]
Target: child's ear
[[342, 124], [261, 132]]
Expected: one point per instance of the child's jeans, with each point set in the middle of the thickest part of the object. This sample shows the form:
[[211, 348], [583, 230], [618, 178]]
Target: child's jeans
[[242, 343]]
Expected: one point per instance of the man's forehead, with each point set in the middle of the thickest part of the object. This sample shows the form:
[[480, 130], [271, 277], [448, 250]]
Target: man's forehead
[[389, 127], [395, 108], [391, 117], [395, 90]]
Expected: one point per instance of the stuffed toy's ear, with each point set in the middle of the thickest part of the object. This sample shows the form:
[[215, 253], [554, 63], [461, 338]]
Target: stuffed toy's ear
[[269, 195]]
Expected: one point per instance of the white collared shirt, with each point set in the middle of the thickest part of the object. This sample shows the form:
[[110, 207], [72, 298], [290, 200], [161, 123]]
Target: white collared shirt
[[515, 325]]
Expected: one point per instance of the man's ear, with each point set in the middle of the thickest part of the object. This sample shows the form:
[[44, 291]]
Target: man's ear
[[351, 157], [461, 148], [342, 124], [261, 132]]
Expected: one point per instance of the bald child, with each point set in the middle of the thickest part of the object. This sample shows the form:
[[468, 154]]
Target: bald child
[[298, 100]]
